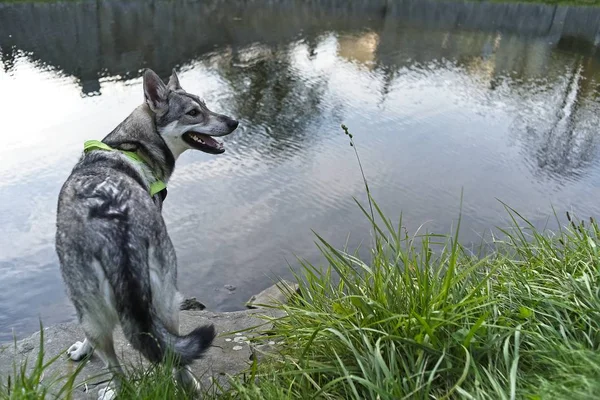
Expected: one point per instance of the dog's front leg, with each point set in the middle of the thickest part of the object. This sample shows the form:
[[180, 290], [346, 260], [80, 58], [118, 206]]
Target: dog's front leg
[[79, 350]]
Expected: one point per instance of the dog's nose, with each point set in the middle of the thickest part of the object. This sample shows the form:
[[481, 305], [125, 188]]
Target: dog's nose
[[232, 123]]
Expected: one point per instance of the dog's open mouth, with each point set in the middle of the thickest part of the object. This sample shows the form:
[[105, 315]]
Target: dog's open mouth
[[200, 141]]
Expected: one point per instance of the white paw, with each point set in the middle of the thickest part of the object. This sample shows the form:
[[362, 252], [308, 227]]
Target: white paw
[[195, 386], [186, 379], [107, 393], [78, 351]]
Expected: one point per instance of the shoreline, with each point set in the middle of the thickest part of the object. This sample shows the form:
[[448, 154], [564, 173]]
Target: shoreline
[[230, 354]]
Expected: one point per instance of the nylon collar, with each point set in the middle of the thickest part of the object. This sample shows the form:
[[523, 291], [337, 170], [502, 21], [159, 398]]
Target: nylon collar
[[156, 186]]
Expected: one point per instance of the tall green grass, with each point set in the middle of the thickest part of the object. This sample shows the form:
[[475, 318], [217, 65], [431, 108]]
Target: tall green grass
[[426, 318], [28, 381]]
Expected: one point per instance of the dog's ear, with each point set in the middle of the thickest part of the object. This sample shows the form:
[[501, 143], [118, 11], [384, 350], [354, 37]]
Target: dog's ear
[[174, 81], [155, 92]]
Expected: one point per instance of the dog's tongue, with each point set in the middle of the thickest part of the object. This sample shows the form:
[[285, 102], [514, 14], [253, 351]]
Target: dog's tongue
[[210, 141]]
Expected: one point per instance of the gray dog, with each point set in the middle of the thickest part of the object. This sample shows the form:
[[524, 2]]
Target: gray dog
[[116, 257]]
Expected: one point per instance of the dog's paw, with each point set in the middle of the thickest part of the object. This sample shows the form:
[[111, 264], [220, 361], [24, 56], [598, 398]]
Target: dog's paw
[[194, 387], [187, 381], [79, 350], [107, 393]]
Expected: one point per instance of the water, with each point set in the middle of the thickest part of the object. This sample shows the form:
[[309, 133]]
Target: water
[[500, 101]]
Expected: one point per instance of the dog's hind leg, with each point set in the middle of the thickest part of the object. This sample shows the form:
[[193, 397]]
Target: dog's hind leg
[[106, 351], [183, 375], [103, 343], [167, 303], [98, 325]]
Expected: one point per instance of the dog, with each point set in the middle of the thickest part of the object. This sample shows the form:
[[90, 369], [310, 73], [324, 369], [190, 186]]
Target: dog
[[116, 258]]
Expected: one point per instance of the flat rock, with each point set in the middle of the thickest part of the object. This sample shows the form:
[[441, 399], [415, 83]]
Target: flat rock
[[273, 295], [265, 350], [191, 304], [229, 355]]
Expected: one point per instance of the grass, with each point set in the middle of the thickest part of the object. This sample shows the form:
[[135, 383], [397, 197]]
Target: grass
[[418, 323], [426, 318], [28, 382]]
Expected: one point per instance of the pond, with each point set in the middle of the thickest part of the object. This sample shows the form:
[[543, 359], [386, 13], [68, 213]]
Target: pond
[[500, 101]]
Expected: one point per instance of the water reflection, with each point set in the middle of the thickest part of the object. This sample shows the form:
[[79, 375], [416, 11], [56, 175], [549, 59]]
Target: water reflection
[[559, 137], [270, 94], [500, 100]]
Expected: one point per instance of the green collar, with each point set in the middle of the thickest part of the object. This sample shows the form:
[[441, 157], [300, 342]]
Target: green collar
[[155, 187]]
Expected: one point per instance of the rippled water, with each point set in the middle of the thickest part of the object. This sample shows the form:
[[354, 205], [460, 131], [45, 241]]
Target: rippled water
[[498, 100]]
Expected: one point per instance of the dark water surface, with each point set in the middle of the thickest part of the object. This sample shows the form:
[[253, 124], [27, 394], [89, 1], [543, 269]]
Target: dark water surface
[[499, 100]]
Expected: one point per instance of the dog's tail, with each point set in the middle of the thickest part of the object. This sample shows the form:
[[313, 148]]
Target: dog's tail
[[155, 344], [130, 281], [146, 332]]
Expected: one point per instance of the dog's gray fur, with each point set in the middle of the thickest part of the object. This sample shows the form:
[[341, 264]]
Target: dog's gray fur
[[116, 257]]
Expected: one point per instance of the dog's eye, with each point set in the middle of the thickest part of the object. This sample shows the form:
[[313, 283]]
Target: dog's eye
[[192, 113]]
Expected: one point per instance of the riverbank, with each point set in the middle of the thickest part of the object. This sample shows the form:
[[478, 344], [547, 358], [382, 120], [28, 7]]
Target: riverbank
[[428, 318], [230, 354], [424, 318]]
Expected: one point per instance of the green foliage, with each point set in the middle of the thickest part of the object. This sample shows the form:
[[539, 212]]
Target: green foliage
[[30, 383], [425, 318]]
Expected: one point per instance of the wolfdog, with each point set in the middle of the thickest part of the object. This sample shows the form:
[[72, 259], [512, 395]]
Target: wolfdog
[[116, 258]]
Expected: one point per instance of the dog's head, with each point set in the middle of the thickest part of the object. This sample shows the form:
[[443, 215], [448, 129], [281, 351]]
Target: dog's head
[[182, 118]]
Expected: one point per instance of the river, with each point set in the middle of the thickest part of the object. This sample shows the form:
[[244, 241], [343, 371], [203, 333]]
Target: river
[[500, 101]]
